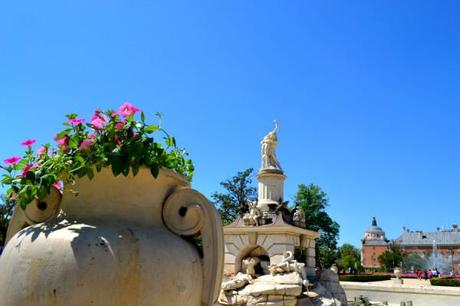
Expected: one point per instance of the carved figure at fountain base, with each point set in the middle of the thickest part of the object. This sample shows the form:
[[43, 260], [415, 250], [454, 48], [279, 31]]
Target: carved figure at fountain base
[[285, 285]]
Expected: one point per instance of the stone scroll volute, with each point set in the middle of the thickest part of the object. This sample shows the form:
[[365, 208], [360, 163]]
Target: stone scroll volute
[[188, 213], [35, 212]]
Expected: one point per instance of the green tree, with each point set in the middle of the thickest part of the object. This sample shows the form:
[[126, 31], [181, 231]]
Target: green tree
[[238, 191], [349, 257], [391, 258], [6, 210], [314, 202]]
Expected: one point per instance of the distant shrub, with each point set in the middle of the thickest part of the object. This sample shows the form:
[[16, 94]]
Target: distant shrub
[[363, 278], [452, 282]]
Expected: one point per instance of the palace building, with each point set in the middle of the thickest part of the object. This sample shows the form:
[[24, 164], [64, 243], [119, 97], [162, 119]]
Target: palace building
[[440, 249], [373, 244]]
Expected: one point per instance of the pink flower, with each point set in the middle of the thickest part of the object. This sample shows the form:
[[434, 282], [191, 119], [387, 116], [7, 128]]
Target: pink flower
[[76, 121], [28, 142], [127, 109], [27, 169], [42, 151], [63, 142], [120, 124], [86, 144], [12, 160], [98, 120], [13, 196], [58, 185]]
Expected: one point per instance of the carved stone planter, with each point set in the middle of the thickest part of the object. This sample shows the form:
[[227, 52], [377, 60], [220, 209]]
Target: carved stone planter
[[116, 241]]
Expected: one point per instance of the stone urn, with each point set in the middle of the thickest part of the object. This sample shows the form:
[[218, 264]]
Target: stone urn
[[122, 241], [397, 272]]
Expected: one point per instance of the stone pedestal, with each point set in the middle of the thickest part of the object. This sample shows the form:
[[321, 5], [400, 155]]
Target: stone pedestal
[[273, 239], [271, 188]]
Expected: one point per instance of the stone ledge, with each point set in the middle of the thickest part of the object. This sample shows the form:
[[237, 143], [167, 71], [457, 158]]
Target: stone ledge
[[433, 290]]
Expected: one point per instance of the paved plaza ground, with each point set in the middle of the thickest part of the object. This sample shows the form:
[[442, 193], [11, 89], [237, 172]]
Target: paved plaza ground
[[421, 292]]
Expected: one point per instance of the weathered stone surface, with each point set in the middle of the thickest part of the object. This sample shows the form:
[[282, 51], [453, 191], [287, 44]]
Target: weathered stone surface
[[330, 280], [232, 298], [239, 281], [305, 301], [311, 294], [271, 300], [121, 245], [286, 278], [272, 289]]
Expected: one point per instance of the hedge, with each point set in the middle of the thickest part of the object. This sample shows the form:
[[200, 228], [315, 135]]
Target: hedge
[[445, 282], [363, 278]]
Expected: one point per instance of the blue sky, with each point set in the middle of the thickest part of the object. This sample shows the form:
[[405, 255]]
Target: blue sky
[[366, 92]]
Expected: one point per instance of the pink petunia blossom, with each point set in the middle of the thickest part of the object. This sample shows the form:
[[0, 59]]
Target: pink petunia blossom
[[86, 144], [120, 124], [58, 185], [12, 160], [127, 109], [76, 121], [27, 169], [13, 196], [28, 142], [63, 142], [42, 151], [98, 122]]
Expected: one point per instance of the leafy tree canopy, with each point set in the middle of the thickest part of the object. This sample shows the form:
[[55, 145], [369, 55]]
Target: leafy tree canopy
[[314, 201], [349, 257], [391, 258], [238, 191]]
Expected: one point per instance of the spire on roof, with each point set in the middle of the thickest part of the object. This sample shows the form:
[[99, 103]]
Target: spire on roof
[[374, 222]]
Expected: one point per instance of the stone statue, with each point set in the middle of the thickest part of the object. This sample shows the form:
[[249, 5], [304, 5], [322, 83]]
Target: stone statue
[[269, 160], [238, 281], [250, 264], [254, 216], [299, 217], [289, 264]]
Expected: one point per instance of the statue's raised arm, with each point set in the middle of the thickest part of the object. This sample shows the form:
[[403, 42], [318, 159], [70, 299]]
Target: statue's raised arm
[[269, 142]]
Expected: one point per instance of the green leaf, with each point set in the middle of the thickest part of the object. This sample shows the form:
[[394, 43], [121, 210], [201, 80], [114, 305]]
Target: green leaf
[[126, 169], [61, 135], [151, 128], [154, 169], [142, 117], [72, 116], [73, 143], [135, 168], [170, 141], [90, 173], [117, 166]]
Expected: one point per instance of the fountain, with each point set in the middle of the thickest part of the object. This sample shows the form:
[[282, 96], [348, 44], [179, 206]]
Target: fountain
[[269, 254]]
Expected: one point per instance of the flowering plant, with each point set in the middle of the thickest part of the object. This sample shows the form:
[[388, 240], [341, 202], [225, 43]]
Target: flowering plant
[[110, 139]]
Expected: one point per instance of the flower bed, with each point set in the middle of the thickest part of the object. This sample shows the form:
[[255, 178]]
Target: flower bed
[[115, 139]]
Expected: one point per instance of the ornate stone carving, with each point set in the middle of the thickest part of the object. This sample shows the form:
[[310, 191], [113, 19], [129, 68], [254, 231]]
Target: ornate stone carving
[[250, 264], [254, 216], [298, 218], [289, 264]]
